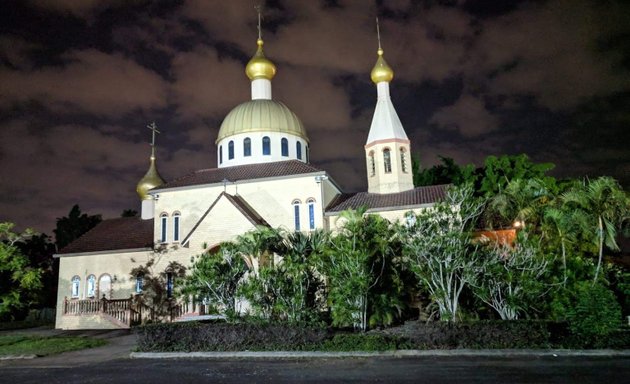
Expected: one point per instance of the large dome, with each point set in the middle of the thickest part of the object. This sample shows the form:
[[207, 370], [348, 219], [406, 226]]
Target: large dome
[[261, 115]]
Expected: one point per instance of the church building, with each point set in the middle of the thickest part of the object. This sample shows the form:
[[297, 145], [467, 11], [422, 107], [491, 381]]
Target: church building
[[263, 178]]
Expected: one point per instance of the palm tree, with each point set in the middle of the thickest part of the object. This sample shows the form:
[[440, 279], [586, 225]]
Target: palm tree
[[521, 201], [607, 206]]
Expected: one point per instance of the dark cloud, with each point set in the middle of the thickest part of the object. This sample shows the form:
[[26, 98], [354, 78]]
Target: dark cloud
[[79, 80]]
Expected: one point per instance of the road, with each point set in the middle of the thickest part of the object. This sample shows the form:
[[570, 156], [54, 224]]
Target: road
[[608, 370]]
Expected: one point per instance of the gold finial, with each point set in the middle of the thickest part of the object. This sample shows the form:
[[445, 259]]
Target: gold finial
[[152, 178], [381, 71], [259, 67]]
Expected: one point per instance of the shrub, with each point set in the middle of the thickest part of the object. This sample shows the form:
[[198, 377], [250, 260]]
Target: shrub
[[596, 313], [364, 342]]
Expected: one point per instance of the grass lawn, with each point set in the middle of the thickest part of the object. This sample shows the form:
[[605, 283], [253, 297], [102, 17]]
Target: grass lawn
[[43, 346]]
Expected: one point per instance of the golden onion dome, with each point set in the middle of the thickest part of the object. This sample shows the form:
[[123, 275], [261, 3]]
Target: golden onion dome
[[261, 115], [381, 71], [259, 67], [150, 180]]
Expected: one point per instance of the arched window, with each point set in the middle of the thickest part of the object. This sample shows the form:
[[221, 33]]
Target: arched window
[[176, 219], [298, 150], [76, 284], [403, 159], [105, 286], [387, 159], [247, 147], [296, 214], [311, 213], [163, 227], [139, 283], [231, 150], [372, 164], [284, 145], [169, 284], [220, 154], [91, 286], [266, 145]]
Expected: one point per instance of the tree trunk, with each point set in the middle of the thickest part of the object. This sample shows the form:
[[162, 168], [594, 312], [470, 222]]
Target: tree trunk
[[600, 229]]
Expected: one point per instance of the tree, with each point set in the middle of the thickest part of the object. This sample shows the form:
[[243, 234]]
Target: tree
[[510, 278], [21, 282], [522, 201], [606, 205], [39, 250], [438, 248], [74, 225], [358, 258], [497, 172], [215, 278], [448, 172], [158, 287]]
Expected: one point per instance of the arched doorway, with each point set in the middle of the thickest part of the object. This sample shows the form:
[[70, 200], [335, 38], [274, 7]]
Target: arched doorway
[[105, 287]]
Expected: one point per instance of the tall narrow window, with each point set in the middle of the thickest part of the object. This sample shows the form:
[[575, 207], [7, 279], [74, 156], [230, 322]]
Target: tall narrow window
[[231, 150], [403, 159], [176, 217], [169, 284], [284, 144], [311, 213], [164, 227], [266, 145], [139, 283], [247, 147], [76, 284], [91, 286], [220, 154], [372, 164], [296, 214], [298, 150], [387, 159]]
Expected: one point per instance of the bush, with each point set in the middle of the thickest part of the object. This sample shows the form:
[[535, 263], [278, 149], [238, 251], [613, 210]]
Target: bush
[[364, 342], [477, 335], [596, 313], [191, 337]]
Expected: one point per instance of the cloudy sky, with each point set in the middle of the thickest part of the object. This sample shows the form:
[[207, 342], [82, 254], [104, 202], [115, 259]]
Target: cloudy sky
[[80, 80]]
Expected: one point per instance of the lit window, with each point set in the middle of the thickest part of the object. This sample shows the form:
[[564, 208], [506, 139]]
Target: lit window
[[284, 144], [139, 282], [169, 284], [266, 145], [298, 150], [311, 213], [176, 217], [163, 229], [372, 164], [387, 160], [220, 154], [296, 214], [76, 283], [230, 150], [91, 286], [247, 147], [403, 160]]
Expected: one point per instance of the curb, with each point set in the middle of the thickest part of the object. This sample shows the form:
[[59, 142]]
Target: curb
[[399, 353], [17, 357]]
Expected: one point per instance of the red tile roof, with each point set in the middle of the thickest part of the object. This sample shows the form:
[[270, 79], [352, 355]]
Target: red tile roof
[[242, 172], [114, 234], [418, 196]]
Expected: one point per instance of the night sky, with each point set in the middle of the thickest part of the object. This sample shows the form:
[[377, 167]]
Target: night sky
[[80, 80]]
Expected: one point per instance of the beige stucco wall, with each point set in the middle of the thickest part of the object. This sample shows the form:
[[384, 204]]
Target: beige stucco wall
[[393, 215], [399, 179], [116, 265]]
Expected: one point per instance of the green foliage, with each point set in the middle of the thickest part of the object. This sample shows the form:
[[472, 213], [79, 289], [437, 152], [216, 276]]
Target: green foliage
[[21, 282], [448, 172], [44, 346], [74, 225], [497, 172], [510, 278], [595, 313], [438, 250], [370, 342], [362, 271], [215, 277]]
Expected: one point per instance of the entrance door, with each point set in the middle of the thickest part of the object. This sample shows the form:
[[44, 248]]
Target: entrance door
[[105, 287]]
